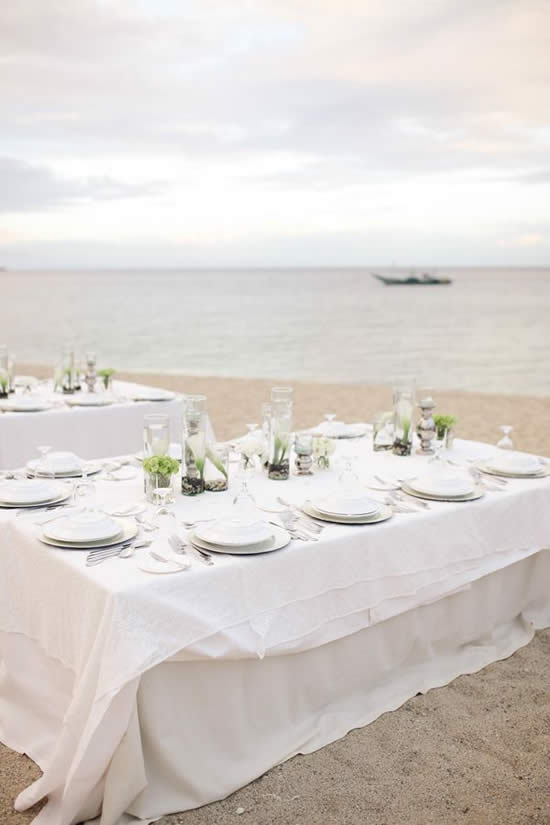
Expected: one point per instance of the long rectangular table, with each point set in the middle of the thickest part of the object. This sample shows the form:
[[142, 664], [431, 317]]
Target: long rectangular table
[[90, 432], [142, 695]]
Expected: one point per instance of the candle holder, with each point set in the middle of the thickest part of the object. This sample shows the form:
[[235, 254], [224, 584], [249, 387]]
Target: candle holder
[[426, 427], [91, 374]]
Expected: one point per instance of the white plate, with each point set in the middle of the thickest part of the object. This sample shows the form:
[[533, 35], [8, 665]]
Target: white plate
[[59, 500], [339, 430], [83, 527], [517, 463], [30, 491], [475, 494], [25, 381], [339, 505], [442, 485], [126, 511], [88, 400], [161, 395], [92, 469], [280, 538], [542, 472], [128, 527], [58, 461], [25, 404], [233, 534], [383, 514]]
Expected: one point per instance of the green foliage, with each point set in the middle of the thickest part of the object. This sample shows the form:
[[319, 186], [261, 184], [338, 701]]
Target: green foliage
[[161, 465], [444, 423], [106, 373]]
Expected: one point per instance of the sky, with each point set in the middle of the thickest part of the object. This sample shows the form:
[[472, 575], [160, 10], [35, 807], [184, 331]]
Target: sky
[[274, 133]]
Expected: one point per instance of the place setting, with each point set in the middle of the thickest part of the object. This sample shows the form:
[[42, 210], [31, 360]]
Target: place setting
[[60, 464], [32, 494], [512, 464]]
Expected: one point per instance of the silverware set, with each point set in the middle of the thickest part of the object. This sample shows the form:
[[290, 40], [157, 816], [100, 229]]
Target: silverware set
[[121, 551]]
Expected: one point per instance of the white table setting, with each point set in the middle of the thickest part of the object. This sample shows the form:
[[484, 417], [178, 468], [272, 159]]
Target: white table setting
[[90, 424], [185, 649]]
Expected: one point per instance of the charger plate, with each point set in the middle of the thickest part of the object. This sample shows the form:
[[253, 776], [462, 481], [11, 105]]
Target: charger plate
[[279, 539], [383, 514], [87, 401], [477, 493], [128, 530], [21, 406]]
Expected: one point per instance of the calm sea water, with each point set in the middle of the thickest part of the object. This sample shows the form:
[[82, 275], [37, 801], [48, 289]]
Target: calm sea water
[[488, 331]]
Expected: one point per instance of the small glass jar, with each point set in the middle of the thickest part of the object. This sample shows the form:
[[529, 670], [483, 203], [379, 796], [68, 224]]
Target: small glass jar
[[382, 432], [155, 482]]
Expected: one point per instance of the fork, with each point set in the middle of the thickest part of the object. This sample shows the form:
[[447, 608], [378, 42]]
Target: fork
[[304, 517], [179, 547]]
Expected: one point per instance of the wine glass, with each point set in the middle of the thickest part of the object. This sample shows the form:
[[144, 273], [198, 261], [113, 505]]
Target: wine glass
[[505, 443], [348, 478], [43, 467], [162, 496], [84, 491]]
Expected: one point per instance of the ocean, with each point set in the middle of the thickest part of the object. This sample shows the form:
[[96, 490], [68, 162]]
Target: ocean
[[488, 331]]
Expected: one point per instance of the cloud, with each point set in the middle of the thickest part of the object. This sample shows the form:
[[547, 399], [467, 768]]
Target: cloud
[[28, 188]]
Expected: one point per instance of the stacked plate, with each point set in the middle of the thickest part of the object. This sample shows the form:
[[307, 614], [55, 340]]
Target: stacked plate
[[443, 486], [344, 508], [61, 464], [238, 537], [88, 529], [151, 395], [514, 465], [338, 429], [91, 399], [25, 403], [32, 493]]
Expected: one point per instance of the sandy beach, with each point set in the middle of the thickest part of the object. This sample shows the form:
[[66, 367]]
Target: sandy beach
[[475, 752]]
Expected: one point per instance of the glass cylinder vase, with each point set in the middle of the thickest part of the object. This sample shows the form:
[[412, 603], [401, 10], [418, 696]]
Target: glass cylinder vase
[[278, 467], [403, 411], [68, 381], [194, 445], [4, 371]]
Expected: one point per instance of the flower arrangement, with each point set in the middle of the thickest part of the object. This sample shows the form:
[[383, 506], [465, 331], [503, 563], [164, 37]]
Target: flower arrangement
[[161, 465], [106, 375], [4, 383], [323, 448], [252, 447], [443, 423], [402, 425]]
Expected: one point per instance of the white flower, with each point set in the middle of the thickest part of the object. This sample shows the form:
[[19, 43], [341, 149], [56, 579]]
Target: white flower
[[323, 447]]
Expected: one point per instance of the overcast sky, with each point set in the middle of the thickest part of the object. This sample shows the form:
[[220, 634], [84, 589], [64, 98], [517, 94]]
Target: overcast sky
[[274, 132]]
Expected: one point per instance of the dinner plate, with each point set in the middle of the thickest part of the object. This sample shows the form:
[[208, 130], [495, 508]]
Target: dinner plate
[[339, 505], [29, 492], [153, 396], [128, 528], [86, 400], [513, 462], [541, 473], [93, 469], [65, 497], [383, 514], [340, 430], [25, 381], [233, 534], [83, 527], [24, 405], [280, 538], [475, 494], [440, 485]]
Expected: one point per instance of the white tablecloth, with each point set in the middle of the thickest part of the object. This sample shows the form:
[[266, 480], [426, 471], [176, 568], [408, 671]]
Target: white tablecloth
[[116, 622], [90, 432]]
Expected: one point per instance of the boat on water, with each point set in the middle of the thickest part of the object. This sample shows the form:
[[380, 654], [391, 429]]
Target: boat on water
[[426, 279]]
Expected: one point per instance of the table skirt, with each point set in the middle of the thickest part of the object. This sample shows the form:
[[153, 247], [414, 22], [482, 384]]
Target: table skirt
[[195, 731]]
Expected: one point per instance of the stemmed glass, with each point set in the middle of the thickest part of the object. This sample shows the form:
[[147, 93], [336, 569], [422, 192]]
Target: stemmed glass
[[506, 442], [43, 468], [348, 478], [84, 492]]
